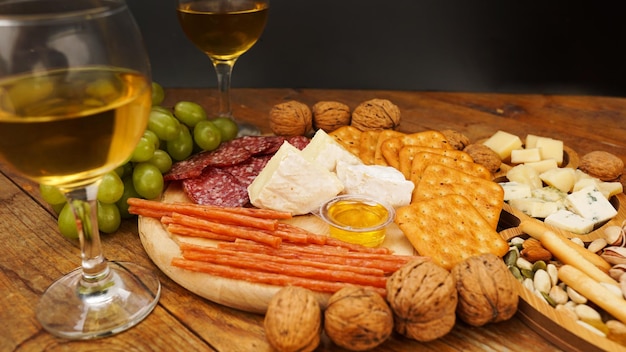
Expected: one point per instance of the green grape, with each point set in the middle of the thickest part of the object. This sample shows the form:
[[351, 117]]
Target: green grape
[[111, 188], [51, 194], [109, 219], [158, 94], [162, 160], [124, 169], [206, 135], [151, 136], [228, 128], [148, 180], [67, 223], [143, 151], [161, 109], [57, 207], [189, 113], [164, 124], [181, 147], [129, 192]]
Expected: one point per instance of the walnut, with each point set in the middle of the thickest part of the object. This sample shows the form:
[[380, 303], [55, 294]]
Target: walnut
[[603, 165], [293, 320], [330, 115], [487, 290], [485, 156], [357, 318], [423, 298], [376, 114], [457, 140], [291, 118]]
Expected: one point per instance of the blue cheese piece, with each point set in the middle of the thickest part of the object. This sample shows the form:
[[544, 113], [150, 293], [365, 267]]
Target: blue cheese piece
[[289, 182], [549, 194], [569, 221], [515, 190], [383, 183], [591, 204]]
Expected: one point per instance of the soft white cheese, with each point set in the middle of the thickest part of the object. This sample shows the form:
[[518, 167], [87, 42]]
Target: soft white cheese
[[325, 151], [383, 183], [569, 221], [525, 174], [290, 182], [591, 204]]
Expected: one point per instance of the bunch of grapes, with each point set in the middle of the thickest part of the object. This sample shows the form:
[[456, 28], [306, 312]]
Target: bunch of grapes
[[172, 135]]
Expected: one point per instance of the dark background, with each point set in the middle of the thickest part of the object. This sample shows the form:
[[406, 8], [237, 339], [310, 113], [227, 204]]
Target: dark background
[[567, 47]]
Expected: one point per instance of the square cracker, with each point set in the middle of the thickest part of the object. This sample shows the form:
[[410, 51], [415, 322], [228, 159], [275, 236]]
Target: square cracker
[[390, 147], [367, 146], [384, 135], [348, 137], [448, 229], [407, 153], [486, 196], [431, 139], [423, 159]]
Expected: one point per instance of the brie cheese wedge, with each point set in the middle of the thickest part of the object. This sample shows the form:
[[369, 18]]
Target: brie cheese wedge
[[289, 182], [325, 151], [383, 183]]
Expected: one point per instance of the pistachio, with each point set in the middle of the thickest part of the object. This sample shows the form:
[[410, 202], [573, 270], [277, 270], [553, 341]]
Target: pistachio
[[586, 313], [614, 255], [597, 245], [614, 235], [578, 241], [617, 271]]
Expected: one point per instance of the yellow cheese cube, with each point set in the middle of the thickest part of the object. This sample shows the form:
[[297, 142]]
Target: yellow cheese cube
[[521, 156], [503, 143], [550, 149]]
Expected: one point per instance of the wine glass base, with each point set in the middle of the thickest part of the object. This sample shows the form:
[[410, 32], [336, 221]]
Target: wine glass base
[[72, 310], [247, 129]]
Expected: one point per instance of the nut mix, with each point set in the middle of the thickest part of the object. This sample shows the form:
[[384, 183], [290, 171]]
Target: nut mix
[[358, 319]]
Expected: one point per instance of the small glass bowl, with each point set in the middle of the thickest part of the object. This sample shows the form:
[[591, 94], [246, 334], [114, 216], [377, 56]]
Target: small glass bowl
[[357, 219]]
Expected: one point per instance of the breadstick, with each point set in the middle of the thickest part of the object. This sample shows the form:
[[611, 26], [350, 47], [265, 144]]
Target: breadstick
[[567, 252], [594, 292], [536, 230]]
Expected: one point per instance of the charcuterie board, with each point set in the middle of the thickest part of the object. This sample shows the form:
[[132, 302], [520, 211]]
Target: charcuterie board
[[539, 315]]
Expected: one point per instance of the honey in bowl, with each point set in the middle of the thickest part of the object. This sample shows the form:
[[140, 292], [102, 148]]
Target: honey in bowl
[[357, 219]]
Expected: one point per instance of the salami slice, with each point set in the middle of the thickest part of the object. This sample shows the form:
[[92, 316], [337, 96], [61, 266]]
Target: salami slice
[[216, 187], [228, 154], [299, 142], [247, 171], [189, 168]]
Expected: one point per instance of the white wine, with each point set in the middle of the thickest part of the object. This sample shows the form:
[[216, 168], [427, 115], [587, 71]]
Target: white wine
[[69, 127], [223, 30]]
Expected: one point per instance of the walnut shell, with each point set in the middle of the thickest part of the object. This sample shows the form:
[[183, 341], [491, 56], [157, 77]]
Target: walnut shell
[[457, 140], [423, 298], [357, 318], [487, 290], [484, 155], [376, 114], [291, 118], [603, 165], [330, 115], [293, 320]]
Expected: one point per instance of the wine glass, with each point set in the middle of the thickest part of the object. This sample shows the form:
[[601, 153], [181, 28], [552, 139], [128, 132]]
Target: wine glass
[[224, 30], [75, 95]]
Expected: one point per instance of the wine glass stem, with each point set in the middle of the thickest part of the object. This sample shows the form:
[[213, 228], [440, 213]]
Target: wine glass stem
[[224, 69], [84, 206]]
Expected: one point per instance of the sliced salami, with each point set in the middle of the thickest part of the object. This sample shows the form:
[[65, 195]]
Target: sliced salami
[[189, 168], [229, 154], [247, 171], [216, 187], [299, 142]]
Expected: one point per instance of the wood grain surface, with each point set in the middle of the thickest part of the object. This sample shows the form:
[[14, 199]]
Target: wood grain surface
[[33, 253]]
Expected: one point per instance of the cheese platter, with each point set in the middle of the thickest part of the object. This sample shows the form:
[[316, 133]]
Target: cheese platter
[[163, 247]]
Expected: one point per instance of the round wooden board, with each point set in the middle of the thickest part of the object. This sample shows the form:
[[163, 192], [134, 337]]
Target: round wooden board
[[535, 312]]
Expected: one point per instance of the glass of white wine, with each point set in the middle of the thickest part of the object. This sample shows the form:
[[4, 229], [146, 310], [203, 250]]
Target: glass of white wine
[[75, 95], [224, 30]]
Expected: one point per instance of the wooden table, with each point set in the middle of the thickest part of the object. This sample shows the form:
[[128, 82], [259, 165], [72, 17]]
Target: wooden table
[[33, 254]]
